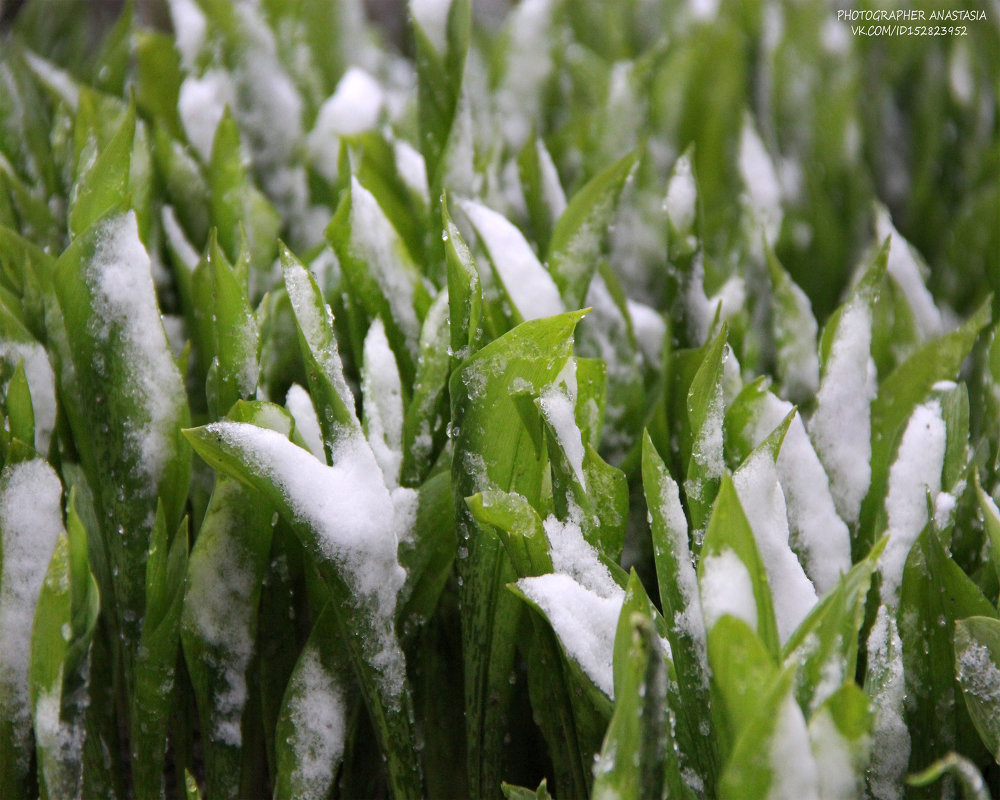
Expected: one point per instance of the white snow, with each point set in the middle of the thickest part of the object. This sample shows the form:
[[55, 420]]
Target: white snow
[[411, 168], [650, 329], [383, 401], [980, 677], [558, 403], [190, 26], [816, 532], [300, 406], [682, 196], [726, 588], [124, 300], [794, 774], [573, 555], [529, 285], [841, 424], [375, 241], [890, 735], [584, 621], [355, 106], [177, 239], [915, 472], [527, 69], [552, 190], [201, 104], [838, 777], [41, 384], [909, 275], [30, 522], [701, 309], [761, 180], [58, 80], [357, 520], [318, 714], [432, 17], [756, 483], [795, 332], [315, 325], [689, 618]]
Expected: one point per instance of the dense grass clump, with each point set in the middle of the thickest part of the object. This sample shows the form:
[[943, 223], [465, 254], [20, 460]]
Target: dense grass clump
[[604, 400]]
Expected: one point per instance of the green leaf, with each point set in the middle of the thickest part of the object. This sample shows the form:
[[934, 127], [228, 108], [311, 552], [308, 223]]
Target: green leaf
[[425, 422], [465, 296], [578, 235], [154, 698], [991, 521], [103, 185], [158, 80], [704, 436], [730, 561], [519, 527], [902, 390], [935, 593], [520, 793], [318, 343], [122, 370], [969, 777], [359, 572], [678, 585], [311, 730], [20, 411], [543, 194], [380, 271], [824, 647], [235, 203], [772, 752], [497, 440], [638, 752], [794, 330], [439, 87], [65, 618], [977, 670]]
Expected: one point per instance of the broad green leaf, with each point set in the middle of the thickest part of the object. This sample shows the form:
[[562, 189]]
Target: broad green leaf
[[312, 727], [158, 80], [440, 71], [497, 439], [543, 193], [968, 775], [901, 391], [159, 646], [236, 204], [112, 62], [122, 369], [741, 669], [519, 527], [19, 408], [425, 422], [218, 622], [103, 185], [991, 521], [794, 330], [977, 670], [678, 585], [382, 276], [237, 340], [520, 793], [772, 756], [578, 235], [840, 736], [703, 437], [935, 593], [184, 184], [824, 647], [638, 759], [318, 343], [731, 575], [429, 554], [465, 297], [350, 525]]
